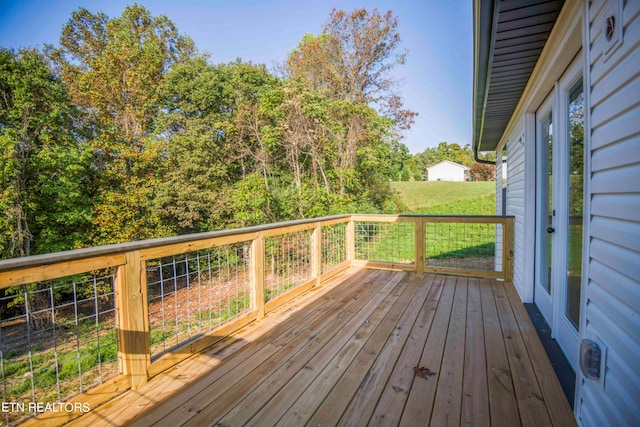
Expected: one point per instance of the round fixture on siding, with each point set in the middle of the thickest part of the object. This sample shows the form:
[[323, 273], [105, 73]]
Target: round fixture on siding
[[611, 22], [610, 29]]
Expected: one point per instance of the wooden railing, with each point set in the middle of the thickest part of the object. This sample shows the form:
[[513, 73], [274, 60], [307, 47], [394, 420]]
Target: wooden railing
[[480, 246], [167, 299]]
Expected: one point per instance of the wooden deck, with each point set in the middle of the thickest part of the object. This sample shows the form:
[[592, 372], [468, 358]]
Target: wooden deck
[[371, 347]]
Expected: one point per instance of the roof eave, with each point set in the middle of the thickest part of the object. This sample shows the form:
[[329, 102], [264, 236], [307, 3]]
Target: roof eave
[[509, 37], [483, 12]]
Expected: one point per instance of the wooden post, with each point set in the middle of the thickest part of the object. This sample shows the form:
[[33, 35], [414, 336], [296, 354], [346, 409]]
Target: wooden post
[[257, 275], [316, 253], [351, 240], [419, 244], [133, 323], [507, 248]]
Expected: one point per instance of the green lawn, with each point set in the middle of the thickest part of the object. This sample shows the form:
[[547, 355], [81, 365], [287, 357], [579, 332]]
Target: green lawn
[[445, 241], [441, 197]]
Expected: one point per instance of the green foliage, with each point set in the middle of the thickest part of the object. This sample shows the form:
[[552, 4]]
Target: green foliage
[[482, 172], [200, 125], [251, 202], [45, 167], [131, 134], [114, 70]]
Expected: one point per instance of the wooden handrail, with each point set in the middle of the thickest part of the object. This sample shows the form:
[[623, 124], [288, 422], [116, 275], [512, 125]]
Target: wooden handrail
[[117, 250]]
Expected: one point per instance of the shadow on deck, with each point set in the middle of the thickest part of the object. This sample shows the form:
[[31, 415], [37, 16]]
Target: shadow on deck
[[369, 347]]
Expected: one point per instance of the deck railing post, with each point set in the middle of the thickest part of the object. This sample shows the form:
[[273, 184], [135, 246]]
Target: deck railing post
[[507, 248], [257, 275], [316, 252], [420, 244], [350, 240], [133, 323]]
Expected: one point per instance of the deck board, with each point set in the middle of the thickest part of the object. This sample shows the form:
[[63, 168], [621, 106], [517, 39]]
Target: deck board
[[276, 392], [533, 411], [365, 401], [345, 352], [359, 373], [448, 399], [420, 392], [475, 392]]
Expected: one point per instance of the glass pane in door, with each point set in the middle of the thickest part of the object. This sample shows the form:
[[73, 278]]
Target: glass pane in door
[[547, 199], [576, 197]]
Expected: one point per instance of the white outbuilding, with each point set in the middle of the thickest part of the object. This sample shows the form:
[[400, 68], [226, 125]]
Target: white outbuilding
[[448, 171]]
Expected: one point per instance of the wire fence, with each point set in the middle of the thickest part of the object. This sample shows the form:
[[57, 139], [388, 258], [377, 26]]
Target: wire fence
[[385, 242], [57, 338], [334, 247], [60, 337], [194, 293], [465, 246], [452, 243], [287, 262]]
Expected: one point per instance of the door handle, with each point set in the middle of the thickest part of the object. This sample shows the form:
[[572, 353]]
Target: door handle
[[551, 230]]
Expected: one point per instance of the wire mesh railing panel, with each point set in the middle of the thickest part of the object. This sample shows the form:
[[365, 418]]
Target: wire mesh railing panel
[[194, 293], [385, 241], [334, 246], [287, 260], [465, 246], [57, 339]]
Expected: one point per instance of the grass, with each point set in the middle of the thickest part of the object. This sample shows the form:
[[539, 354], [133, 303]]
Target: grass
[[395, 243], [63, 363], [442, 197]]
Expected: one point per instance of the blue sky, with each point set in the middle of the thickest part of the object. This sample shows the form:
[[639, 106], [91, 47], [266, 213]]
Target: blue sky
[[437, 76]]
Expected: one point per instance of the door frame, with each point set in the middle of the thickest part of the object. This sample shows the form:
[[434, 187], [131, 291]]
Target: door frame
[[565, 332]]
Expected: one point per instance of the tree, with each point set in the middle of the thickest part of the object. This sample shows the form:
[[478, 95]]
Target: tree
[[352, 59], [199, 125], [482, 172], [335, 152], [45, 175], [454, 153], [444, 151], [114, 69]]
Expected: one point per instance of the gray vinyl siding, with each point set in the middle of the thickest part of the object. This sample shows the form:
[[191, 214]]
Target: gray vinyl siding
[[499, 205], [613, 279], [515, 205], [499, 201]]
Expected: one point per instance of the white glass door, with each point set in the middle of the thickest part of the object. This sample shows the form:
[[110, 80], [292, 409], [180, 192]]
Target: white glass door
[[545, 212], [560, 198]]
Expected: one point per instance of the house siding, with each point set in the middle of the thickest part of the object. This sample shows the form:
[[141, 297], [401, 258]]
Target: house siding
[[499, 201], [612, 311], [499, 206], [515, 205]]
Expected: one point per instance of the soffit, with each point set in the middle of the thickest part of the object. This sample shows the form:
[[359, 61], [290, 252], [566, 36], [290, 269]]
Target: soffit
[[510, 36]]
